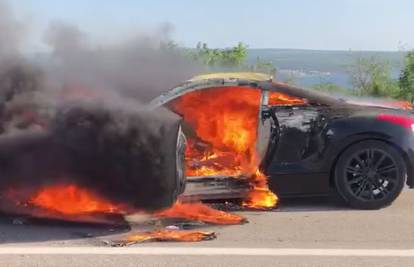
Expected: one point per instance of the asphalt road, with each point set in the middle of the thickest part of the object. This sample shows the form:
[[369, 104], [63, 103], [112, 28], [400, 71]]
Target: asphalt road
[[307, 232]]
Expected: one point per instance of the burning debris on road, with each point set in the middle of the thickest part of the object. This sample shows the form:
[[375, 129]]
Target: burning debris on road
[[196, 212], [200, 212], [166, 235]]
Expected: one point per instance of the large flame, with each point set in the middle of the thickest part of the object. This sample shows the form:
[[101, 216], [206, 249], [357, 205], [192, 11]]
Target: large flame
[[225, 121], [72, 200]]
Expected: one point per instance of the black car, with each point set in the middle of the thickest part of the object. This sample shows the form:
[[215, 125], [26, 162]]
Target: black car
[[310, 143]]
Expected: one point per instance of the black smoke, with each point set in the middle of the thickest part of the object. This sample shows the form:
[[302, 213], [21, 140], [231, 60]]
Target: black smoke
[[141, 67], [78, 116]]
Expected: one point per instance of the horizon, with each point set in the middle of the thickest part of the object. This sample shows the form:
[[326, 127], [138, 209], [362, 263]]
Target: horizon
[[296, 49]]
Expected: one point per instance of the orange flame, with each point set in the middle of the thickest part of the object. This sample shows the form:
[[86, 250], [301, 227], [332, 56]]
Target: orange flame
[[225, 121], [167, 235], [200, 212], [72, 200], [260, 197], [276, 98]]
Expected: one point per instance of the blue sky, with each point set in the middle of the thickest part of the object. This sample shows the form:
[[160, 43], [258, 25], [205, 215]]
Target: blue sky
[[313, 24]]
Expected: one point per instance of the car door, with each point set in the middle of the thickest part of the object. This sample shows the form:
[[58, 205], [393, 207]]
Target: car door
[[292, 159], [220, 114]]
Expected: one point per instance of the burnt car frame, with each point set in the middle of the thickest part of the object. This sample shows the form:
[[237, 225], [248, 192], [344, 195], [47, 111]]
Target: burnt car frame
[[365, 153]]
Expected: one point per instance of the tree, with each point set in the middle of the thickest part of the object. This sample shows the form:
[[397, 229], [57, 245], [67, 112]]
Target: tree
[[371, 76], [264, 66], [228, 57], [406, 80], [235, 56]]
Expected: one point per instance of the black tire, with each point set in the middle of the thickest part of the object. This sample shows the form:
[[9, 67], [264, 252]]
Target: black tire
[[370, 175], [173, 160]]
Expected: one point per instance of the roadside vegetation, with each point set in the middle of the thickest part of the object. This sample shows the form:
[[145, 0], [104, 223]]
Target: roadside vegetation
[[372, 77], [369, 76], [233, 58]]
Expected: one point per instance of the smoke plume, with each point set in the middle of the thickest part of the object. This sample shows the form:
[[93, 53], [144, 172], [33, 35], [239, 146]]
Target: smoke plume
[[142, 67], [79, 116], [11, 32]]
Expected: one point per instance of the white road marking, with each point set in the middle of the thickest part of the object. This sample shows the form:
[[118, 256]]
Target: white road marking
[[193, 251]]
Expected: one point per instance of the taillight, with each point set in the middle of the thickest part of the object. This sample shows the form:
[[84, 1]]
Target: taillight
[[404, 121]]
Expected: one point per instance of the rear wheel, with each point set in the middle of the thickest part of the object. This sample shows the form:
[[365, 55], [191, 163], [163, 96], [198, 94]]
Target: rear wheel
[[370, 175]]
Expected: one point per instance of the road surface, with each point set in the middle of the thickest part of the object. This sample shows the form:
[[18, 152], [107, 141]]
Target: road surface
[[306, 232]]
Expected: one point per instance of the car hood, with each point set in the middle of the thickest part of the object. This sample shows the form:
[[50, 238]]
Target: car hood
[[382, 103]]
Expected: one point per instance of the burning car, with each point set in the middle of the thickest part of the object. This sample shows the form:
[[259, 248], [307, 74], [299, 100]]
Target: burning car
[[221, 136], [245, 129]]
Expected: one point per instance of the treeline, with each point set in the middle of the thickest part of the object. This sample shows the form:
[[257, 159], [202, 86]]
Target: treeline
[[233, 58], [372, 77], [369, 76]]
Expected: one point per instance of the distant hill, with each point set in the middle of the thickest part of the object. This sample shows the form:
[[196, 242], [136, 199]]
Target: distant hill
[[310, 67]]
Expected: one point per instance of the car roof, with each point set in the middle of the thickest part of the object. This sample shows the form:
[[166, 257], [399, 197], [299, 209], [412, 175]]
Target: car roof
[[253, 79], [251, 76]]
